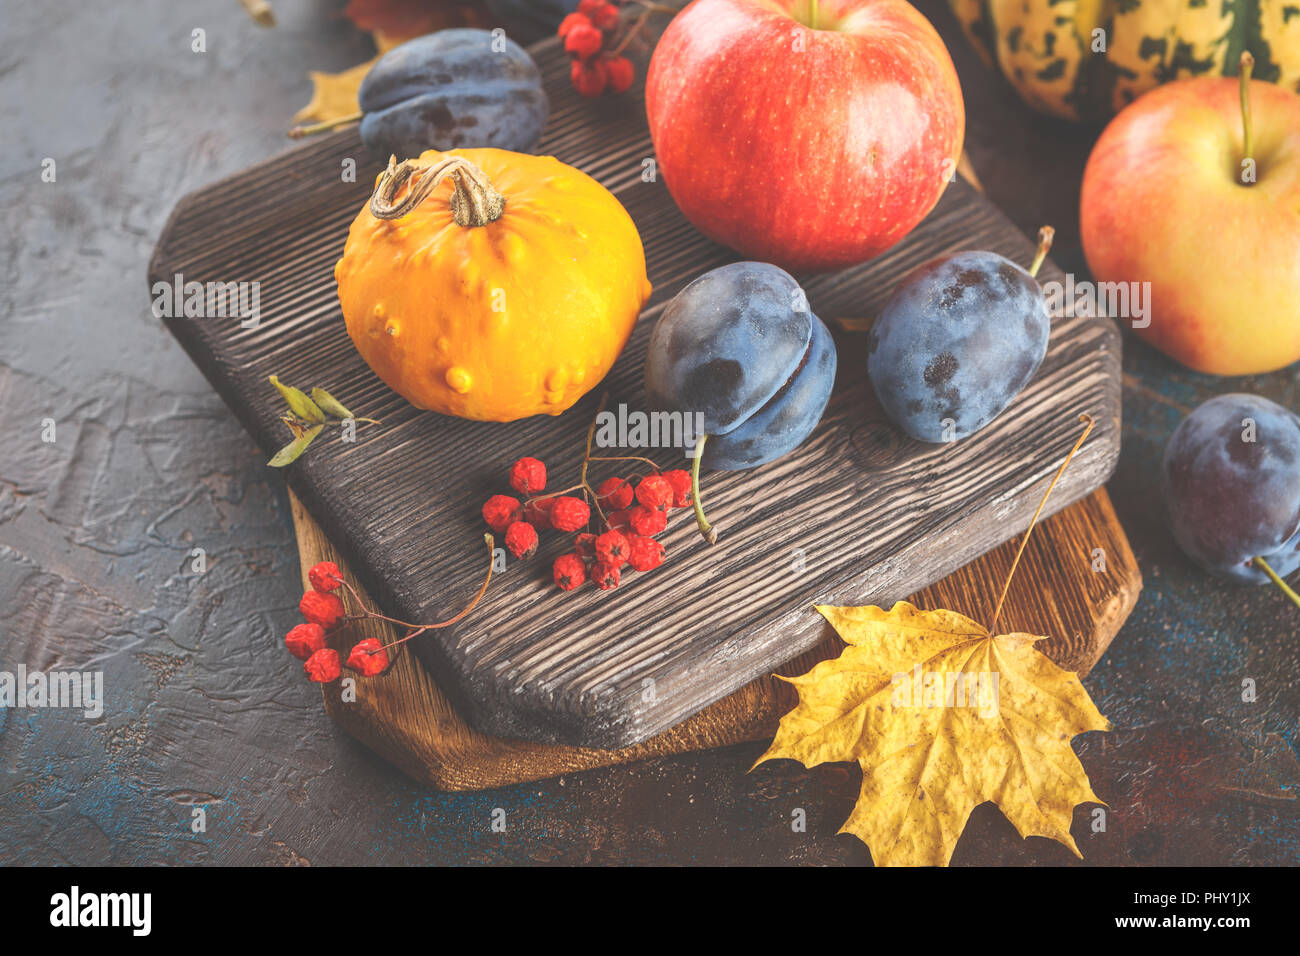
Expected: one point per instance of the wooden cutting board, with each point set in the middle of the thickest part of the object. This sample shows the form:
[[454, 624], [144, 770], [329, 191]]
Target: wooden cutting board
[[407, 719], [871, 516]]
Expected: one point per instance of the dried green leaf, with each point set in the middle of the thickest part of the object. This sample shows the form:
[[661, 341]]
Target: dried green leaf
[[330, 404], [299, 403], [290, 452]]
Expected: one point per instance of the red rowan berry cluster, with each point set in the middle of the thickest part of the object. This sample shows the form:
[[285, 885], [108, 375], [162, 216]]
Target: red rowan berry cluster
[[614, 525], [323, 610], [591, 38]]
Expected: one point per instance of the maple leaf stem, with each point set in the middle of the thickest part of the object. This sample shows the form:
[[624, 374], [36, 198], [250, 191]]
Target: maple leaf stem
[[1276, 579], [1088, 423]]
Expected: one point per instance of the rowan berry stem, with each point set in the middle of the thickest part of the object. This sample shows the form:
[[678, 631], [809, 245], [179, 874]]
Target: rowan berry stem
[[636, 28], [624, 458], [366, 612], [418, 629], [707, 530], [555, 494], [415, 633], [1276, 579]]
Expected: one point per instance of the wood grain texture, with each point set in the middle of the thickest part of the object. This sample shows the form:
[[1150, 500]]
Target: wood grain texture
[[873, 516], [405, 717]]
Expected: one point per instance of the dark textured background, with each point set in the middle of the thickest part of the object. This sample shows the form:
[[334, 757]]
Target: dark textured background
[[205, 708]]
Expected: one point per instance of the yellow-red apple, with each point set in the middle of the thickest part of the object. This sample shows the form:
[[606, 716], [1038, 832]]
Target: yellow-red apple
[[1167, 200]]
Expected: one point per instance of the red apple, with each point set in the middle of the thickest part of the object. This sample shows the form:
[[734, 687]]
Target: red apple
[[809, 134], [1164, 202]]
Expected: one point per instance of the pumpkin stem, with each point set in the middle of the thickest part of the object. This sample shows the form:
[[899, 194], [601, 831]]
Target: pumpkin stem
[[474, 201]]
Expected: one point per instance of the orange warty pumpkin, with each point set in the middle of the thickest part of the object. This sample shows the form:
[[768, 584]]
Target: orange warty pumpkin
[[491, 285]]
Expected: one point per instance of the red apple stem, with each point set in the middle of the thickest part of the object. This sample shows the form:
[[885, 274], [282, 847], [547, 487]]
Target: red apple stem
[[710, 533], [1045, 237], [1273, 576], [1247, 132]]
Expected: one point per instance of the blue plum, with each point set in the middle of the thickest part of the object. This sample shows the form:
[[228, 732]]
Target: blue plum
[[1231, 484], [740, 347], [452, 89], [956, 342], [787, 418], [727, 343]]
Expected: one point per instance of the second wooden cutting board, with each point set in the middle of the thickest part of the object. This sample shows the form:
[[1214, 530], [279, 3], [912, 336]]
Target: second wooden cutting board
[[404, 716]]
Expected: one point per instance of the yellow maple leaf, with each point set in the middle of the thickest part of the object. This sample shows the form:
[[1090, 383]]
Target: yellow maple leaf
[[941, 716], [334, 95]]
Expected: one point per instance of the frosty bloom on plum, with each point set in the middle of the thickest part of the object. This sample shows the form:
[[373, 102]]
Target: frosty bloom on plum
[[959, 339], [1231, 483]]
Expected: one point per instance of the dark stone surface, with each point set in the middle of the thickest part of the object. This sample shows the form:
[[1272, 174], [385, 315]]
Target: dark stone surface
[[203, 706]]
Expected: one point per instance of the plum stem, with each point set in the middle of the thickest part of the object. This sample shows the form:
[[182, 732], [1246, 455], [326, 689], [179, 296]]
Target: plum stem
[[855, 324], [710, 533], [1243, 81], [298, 132], [1045, 237], [1088, 423], [1273, 576]]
